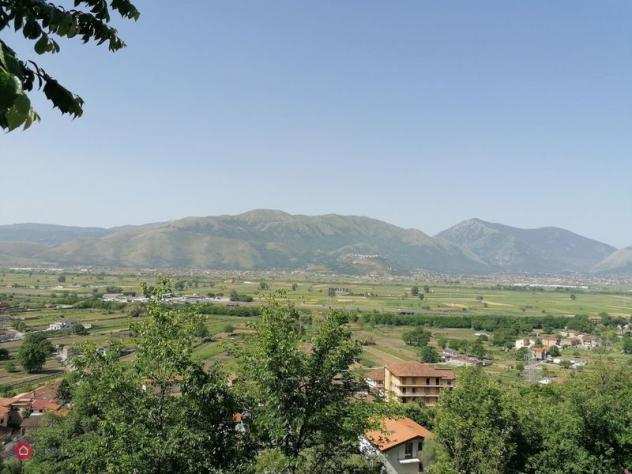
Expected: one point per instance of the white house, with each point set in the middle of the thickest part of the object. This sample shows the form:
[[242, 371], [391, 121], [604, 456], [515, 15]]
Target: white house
[[397, 445], [62, 325]]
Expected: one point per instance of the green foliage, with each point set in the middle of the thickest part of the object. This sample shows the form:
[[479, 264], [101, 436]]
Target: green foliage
[[79, 329], [33, 352], [162, 412], [429, 354], [417, 336], [42, 22], [565, 364], [475, 427], [19, 325], [235, 296], [584, 425], [414, 291], [521, 353], [627, 345], [554, 351], [303, 403]]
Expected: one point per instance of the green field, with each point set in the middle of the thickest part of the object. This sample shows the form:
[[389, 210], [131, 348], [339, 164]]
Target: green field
[[39, 298]]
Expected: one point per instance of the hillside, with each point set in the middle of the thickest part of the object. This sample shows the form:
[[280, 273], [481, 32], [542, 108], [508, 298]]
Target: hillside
[[264, 239], [46, 234], [618, 263], [511, 249], [268, 239]]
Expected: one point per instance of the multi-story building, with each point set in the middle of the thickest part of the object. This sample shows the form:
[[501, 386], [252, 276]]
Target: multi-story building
[[416, 382]]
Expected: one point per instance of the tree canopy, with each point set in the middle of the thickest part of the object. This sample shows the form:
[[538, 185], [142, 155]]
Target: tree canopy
[[45, 23]]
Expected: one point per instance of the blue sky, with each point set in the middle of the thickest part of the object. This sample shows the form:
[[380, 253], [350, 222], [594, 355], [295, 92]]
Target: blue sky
[[419, 113]]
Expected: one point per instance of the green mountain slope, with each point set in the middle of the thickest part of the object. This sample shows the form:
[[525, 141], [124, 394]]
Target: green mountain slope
[[543, 250], [265, 239]]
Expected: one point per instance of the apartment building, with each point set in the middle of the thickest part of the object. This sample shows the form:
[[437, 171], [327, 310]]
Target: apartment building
[[416, 382]]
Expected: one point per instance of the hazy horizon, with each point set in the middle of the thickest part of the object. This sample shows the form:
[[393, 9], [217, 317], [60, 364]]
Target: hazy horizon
[[421, 115]]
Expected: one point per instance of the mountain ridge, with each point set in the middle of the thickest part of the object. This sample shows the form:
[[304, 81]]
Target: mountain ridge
[[537, 250], [271, 239]]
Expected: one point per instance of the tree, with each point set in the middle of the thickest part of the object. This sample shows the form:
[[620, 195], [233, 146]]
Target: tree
[[294, 286], [584, 425], [627, 345], [263, 285], [79, 329], [161, 412], [477, 349], [521, 353], [303, 402], [4, 353], [426, 289], [429, 354], [417, 336], [573, 297], [414, 291], [554, 351], [475, 428], [61, 278], [33, 352], [43, 22]]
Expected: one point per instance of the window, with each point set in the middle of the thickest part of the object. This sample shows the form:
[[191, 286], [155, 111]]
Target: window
[[408, 450], [427, 380]]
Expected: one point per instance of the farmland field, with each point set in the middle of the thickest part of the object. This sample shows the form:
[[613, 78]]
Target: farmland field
[[39, 298]]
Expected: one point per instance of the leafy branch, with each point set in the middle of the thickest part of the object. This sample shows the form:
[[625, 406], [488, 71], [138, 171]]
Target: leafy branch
[[42, 22]]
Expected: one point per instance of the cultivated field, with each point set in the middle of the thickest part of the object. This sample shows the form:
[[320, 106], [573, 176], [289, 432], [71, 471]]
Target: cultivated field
[[39, 298]]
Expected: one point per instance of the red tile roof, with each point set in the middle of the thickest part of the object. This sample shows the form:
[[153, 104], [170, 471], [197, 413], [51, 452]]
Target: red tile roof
[[417, 369], [395, 432]]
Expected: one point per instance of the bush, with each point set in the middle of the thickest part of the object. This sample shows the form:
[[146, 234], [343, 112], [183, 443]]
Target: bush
[[229, 328]]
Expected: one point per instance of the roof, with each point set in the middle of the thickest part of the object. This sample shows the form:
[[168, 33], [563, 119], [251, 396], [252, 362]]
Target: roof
[[417, 369], [376, 374], [395, 432], [45, 405]]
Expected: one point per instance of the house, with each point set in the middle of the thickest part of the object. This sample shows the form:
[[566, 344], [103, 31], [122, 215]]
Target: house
[[397, 445], [524, 342], [547, 342], [16, 410], [453, 357], [375, 380], [416, 382], [62, 325], [539, 353]]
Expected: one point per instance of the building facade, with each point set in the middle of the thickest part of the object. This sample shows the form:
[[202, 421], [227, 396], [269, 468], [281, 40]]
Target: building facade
[[409, 382]]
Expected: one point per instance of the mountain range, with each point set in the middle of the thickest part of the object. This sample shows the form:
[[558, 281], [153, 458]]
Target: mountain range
[[269, 239]]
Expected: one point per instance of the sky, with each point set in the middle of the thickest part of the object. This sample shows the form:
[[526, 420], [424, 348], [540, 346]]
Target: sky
[[420, 113]]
